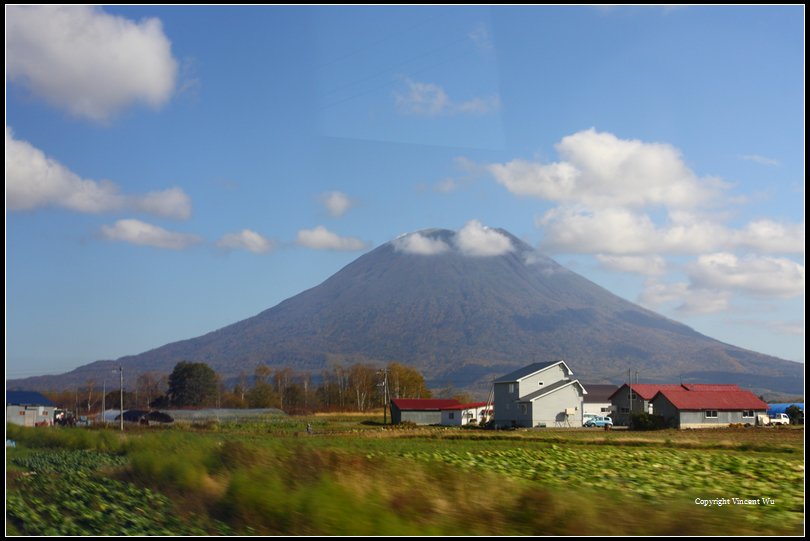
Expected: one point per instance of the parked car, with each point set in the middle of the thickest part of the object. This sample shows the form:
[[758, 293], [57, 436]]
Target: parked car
[[780, 419], [599, 421]]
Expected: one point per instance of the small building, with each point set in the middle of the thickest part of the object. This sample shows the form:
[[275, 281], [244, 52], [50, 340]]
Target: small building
[[707, 408], [464, 414], [597, 400], [540, 394], [637, 398], [421, 411], [29, 408]]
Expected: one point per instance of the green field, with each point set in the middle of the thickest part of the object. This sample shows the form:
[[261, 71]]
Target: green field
[[353, 476]]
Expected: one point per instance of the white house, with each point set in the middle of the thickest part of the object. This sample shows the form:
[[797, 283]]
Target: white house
[[464, 414], [541, 394], [28, 408]]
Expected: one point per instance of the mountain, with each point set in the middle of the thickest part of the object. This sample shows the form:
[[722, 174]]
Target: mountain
[[463, 310]]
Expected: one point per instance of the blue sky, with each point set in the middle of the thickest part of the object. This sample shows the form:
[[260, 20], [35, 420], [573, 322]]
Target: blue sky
[[172, 170]]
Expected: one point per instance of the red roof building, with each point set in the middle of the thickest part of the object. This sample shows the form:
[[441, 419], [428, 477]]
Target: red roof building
[[710, 406], [421, 411]]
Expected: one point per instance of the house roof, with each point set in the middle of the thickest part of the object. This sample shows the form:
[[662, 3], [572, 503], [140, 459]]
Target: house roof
[[648, 390], [599, 393], [433, 404], [527, 371], [469, 406], [550, 389], [729, 399], [27, 398]]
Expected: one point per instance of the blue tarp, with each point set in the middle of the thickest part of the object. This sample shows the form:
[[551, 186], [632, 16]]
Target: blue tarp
[[774, 409]]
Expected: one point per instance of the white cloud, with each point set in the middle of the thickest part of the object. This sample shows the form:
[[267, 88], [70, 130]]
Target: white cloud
[[770, 236], [246, 240], [690, 300], [622, 231], [336, 203], [762, 160], [171, 203], [321, 238], [447, 185], [600, 170], [757, 275], [144, 234], [481, 38], [88, 62], [645, 265], [416, 243], [430, 99], [477, 240], [34, 180]]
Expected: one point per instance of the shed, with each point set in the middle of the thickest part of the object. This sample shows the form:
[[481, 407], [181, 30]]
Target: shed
[[29, 408], [464, 414], [421, 411], [707, 408]]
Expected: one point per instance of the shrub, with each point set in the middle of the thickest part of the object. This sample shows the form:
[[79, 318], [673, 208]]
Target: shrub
[[646, 421]]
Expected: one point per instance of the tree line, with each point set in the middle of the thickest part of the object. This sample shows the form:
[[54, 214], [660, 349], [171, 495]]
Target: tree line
[[356, 387]]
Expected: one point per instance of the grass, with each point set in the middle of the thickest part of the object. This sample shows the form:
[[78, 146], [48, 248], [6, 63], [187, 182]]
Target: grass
[[353, 476]]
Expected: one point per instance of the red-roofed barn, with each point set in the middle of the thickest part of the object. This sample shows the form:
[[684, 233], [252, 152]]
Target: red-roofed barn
[[709, 406], [422, 411]]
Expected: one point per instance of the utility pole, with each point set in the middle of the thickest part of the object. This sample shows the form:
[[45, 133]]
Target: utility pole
[[384, 372], [121, 370], [104, 403]]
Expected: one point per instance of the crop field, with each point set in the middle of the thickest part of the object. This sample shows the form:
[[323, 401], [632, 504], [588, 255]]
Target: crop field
[[353, 476]]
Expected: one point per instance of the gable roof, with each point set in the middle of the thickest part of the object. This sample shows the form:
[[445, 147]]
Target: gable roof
[[599, 393], [27, 398], [550, 389], [469, 406], [527, 371], [728, 399], [431, 404], [648, 390]]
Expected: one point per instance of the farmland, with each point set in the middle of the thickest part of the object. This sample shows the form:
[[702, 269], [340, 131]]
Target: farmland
[[354, 476]]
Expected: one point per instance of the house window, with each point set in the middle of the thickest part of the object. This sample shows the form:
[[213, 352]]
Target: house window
[[632, 396], [605, 410], [511, 388], [624, 410], [748, 414], [524, 409], [711, 414], [452, 415]]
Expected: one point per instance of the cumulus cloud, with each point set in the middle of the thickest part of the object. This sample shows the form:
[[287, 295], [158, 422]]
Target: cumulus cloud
[[416, 243], [321, 238], [88, 62], [758, 275], [336, 203], [144, 234], [601, 170], [246, 240], [430, 99], [622, 231], [34, 180], [478, 240], [645, 265]]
